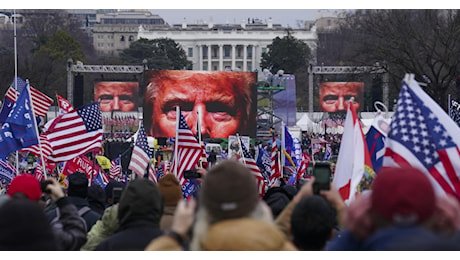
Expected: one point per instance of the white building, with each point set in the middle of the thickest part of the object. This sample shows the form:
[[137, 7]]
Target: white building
[[218, 47]]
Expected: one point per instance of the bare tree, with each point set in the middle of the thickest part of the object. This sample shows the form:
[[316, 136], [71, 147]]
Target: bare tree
[[423, 42]]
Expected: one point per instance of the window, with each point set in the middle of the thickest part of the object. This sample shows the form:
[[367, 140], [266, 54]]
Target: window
[[122, 38], [131, 38], [190, 52], [227, 51], [239, 54], [264, 50], [250, 52]]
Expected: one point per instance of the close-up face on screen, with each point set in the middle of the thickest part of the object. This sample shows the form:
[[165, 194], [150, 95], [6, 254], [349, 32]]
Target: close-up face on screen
[[219, 103]]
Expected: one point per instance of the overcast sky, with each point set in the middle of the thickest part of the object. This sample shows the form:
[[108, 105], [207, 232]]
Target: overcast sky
[[285, 17]]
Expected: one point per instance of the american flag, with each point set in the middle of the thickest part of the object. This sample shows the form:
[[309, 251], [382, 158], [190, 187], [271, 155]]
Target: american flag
[[153, 172], [115, 168], [141, 153], [39, 171], [75, 133], [423, 136], [7, 171], [275, 164], [251, 164], [188, 151], [41, 102], [35, 149], [101, 179]]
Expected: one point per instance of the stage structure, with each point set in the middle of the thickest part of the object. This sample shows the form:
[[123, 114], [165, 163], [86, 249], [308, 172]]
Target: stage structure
[[339, 70]]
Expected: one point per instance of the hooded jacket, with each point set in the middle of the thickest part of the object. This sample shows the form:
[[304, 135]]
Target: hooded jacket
[[139, 213]]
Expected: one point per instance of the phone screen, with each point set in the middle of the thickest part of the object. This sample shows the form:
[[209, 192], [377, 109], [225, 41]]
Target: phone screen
[[322, 174]]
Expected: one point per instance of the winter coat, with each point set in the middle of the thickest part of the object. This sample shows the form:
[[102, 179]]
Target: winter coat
[[103, 228], [139, 213], [167, 218]]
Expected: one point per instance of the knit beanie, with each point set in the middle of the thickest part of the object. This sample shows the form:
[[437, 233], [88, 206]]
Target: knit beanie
[[27, 184], [78, 185], [229, 191], [403, 195], [171, 190]]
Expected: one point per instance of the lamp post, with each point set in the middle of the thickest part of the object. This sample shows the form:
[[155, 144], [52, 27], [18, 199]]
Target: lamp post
[[69, 81]]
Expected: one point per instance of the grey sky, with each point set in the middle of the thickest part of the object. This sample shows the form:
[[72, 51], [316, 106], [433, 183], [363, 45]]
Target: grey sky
[[285, 17]]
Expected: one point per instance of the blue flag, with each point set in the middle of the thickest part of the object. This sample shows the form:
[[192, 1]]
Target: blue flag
[[289, 146], [375, 140], [19, 130], [10, 98], [7, 171], [264, 162]]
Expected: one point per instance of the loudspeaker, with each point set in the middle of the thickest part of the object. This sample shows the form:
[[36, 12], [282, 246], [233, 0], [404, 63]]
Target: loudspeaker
[[78, 91]]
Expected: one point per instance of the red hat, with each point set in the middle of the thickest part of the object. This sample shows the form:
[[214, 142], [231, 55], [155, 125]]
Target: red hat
[[27, 184], [403, 195]]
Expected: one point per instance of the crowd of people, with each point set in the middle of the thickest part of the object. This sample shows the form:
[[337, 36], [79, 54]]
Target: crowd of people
[[400, 212]]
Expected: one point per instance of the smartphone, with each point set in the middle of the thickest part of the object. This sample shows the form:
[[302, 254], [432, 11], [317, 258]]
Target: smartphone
[[322, 172], [192, 174], [116, 194]]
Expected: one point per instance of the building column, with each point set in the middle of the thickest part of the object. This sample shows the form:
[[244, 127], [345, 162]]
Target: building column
[[209, 57], [200, 57], [253, 58], [233, 57], [245, 59], [221, 57]]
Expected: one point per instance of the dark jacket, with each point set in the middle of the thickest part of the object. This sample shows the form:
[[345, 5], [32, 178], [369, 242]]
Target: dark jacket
[[69, 230], [139, 213], [388, 239], [90, 217]]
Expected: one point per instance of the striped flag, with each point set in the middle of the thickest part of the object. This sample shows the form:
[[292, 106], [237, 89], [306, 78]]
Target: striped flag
[[41, 102], [115, 168], [141, 153], [38, 170], [251, 164], [35, 149], [101, 179], [75, 133], [153, 173], [189, 151], [7, 171], [275, 164], [422, 135]]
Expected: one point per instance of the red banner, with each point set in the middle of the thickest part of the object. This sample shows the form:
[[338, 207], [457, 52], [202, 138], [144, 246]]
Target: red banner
[[80, 164]]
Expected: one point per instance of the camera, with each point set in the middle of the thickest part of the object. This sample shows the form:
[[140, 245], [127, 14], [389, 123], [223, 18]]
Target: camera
[[322, 172], [43, 185], [192, 174]]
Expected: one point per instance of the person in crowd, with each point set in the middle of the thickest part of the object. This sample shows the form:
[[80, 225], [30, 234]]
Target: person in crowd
[[104, 228], [96, 198], [109, 193], [403, 219], [25, 227], [225, 102], [277, 198], [230, 216], [172, 193], [313, 222], [77, 193], [334, 95], [139, 214], [69, 230], [117, 95]]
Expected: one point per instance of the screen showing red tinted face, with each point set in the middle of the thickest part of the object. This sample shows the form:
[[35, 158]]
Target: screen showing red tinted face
[[224, 101], [334, 95], [117, 95]]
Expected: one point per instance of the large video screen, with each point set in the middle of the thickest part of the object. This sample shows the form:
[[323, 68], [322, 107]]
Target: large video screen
[[117, 95], [334, 95], [226, 102]]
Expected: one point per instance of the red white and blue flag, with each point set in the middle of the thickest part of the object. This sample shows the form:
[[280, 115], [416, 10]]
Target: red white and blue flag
[[141, 153], [189, 151], [115, 169], [422, 135], [75, 133], [251, 164]]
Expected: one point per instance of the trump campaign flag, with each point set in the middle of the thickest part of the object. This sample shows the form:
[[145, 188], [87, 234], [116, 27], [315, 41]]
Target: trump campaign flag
[[20, 128], [64, 105], [141, 153], [375, 139], [422, 135], [75, 133], [353, 158], [10, 97]]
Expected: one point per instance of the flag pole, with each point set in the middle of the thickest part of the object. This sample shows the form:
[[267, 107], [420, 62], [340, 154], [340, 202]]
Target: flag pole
[[36, 130], [176, 144], [448, 104], [283, 144], [240, 150], [199, 131], [16, 75]]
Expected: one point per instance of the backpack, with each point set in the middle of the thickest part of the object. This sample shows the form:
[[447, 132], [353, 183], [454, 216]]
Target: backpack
[[81, 212]]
